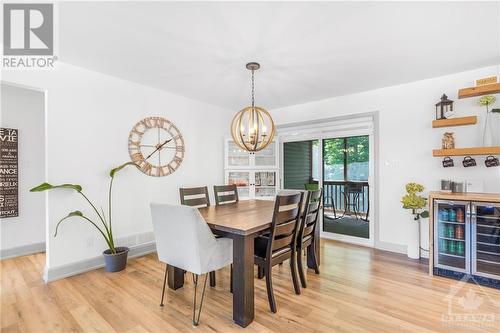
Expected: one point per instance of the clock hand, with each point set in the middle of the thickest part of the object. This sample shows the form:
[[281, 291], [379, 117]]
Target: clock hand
[[159, 147]]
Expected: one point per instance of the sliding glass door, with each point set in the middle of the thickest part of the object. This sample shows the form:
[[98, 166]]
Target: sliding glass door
[[338, 156], [346, 170]]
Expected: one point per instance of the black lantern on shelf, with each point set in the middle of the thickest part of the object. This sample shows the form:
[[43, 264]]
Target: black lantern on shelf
[[444, 107]]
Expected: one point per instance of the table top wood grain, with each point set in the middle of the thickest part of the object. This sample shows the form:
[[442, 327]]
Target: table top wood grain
[[244, 217]]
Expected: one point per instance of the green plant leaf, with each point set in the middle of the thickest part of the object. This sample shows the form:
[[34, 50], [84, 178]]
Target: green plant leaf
[[78, 213], [72, 214], [46, 186], [118, 168], [424, 214], [495, 110]]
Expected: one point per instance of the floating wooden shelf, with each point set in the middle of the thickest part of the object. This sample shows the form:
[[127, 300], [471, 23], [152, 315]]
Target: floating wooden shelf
[[467, 151], [471, 120], [479, 91]]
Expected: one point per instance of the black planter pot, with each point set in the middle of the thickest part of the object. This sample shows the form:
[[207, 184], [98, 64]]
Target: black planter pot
[[115, 262]]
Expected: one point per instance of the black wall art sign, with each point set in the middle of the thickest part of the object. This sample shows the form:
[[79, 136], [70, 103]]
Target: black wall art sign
[[9, 189]]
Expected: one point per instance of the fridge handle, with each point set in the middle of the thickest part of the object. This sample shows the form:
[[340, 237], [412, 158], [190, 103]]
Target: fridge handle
[[472, 209]]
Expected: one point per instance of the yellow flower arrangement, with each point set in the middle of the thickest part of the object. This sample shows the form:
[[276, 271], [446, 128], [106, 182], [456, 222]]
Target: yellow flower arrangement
[[414, 201], [487, 101]]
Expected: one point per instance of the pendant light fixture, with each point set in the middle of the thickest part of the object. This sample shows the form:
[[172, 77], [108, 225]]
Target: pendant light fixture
[[252, 127]]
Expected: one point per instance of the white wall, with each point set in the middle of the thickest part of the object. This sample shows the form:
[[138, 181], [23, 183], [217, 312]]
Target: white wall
[[406, 139], [90, 115], [88, 122], [23, 109]]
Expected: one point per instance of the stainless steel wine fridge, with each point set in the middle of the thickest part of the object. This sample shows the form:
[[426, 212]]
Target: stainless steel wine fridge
[[467, 241]]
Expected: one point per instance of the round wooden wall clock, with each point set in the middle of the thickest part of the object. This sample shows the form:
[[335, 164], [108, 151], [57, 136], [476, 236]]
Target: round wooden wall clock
[[156, 145]]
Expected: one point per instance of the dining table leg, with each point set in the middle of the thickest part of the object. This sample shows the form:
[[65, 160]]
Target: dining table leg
[[175, 277], [243, 280]]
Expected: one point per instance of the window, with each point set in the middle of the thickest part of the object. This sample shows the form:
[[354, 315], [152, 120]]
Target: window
[[357, 158], [346, 159]]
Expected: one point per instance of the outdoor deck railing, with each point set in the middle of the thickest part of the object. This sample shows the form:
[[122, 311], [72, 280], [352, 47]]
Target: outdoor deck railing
[[334, 198]]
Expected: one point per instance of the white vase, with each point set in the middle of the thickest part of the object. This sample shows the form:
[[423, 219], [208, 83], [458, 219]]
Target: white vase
[[413, 239], [494, 124], [489, 123]]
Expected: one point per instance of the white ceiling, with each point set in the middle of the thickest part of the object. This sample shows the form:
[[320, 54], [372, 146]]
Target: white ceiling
[[308, 51]]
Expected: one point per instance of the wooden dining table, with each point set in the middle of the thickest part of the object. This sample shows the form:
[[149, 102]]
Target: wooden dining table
[[242, 221]]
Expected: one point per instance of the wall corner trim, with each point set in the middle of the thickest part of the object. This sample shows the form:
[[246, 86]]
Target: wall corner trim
[[67, 270], [22, 250]]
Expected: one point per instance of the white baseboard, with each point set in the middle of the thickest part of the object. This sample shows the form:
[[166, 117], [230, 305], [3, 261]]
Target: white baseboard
[[63, 271], [347, 239], [22, 250], [391, 247], [384, 246]]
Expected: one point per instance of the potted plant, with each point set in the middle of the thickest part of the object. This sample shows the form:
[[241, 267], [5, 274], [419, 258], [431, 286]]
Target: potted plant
[[115, 258], [416, 202]]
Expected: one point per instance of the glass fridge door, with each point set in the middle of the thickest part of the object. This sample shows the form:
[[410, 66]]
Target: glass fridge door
[[486, 240], [451, 235]]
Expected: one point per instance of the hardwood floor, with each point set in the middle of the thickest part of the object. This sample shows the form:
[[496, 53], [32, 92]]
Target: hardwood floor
[[358, 290]]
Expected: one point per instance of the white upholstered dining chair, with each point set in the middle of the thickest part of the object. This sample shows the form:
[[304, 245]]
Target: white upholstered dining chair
[[184, 240]]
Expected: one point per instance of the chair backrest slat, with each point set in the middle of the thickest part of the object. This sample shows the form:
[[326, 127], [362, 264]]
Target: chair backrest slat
[[225, 194], [286, 223], [195, 196], [286, 216], [310, 217], [308, 230], [280, 243], [285, 228], [313, 206]]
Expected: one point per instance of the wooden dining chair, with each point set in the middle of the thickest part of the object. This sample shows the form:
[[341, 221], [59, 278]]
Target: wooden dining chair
[[279, 245], [225, 194], [195, 196], [306, 235]]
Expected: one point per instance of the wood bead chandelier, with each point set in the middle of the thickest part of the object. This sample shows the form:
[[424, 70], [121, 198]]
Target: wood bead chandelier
[[252, 128]]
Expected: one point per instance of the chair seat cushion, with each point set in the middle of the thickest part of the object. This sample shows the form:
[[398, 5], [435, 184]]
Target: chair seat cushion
[[260, 247]]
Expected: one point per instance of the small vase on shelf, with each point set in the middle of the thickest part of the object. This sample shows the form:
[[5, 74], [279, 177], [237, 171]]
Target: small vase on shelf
[[494, 124], [490, 129], [487, 130]]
